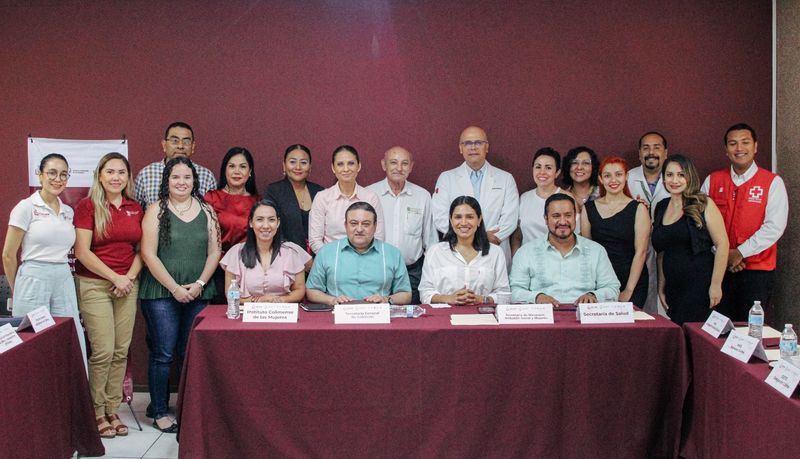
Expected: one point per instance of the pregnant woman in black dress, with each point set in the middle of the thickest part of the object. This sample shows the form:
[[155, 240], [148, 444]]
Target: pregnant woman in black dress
[[685, 229], [622, 226]]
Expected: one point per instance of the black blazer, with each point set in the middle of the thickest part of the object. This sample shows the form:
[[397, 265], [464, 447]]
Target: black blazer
[[291, 219]]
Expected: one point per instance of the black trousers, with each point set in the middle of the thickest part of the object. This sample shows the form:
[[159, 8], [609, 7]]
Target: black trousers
[[414, 276], [740, 290]]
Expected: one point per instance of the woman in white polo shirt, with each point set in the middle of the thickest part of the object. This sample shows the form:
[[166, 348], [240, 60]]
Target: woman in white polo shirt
[[42, 225]]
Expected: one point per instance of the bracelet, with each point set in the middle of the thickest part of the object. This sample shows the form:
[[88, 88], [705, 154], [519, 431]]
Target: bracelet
[[172, 292]]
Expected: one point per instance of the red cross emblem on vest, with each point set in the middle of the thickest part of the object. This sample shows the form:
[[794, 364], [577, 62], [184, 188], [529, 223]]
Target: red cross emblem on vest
[[755, 193]]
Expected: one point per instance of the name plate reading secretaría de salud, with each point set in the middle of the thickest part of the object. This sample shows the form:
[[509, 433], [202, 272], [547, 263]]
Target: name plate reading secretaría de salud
[[605, 313], [361, 314], [270, 312], [508, 314]]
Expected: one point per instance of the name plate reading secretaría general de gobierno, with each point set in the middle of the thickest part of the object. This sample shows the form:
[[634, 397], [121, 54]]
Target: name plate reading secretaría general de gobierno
[[361, 314]]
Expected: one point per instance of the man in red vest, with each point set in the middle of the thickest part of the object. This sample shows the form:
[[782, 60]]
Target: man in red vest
[[755, 207]]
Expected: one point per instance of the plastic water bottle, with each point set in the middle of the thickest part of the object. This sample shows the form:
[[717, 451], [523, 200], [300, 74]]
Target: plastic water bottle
[[755, 320], [409, 311], [788, 342], [233, 300]]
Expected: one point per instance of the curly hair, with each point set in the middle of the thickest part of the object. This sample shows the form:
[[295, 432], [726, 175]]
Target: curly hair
[[163, 200]]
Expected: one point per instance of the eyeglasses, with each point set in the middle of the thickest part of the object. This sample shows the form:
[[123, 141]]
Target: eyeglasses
[[581, 163], [474, 143], [53, 174], [174, 141]]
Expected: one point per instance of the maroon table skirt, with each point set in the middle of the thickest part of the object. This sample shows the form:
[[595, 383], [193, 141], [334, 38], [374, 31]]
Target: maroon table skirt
[[731, 411], [421, 387], [45, 407]]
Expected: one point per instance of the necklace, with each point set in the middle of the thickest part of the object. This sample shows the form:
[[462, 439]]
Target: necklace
[[181, 211]]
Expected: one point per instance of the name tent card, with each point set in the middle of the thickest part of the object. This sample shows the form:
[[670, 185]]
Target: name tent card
[[8, 338], [524, 314], [271, 312], [784, 378], [361, 314], [717, 324], [605, 313], [742, 347], [39, 319]]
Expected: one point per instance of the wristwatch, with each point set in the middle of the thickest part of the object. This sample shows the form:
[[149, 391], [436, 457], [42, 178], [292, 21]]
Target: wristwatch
[[200, 283], [389, 299]]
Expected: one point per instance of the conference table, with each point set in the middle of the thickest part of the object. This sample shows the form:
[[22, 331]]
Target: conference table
[[45, 406], [423, 387], [730, 410]]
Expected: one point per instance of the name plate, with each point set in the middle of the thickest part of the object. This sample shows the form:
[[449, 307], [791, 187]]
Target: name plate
[[742, 347], [717, 324], [8, 338], [784, 378], [605, 313], [39, 319], [361, 314], [524, 313], [270, 312]]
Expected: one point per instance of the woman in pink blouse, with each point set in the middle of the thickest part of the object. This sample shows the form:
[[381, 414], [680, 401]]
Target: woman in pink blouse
[[267, 268]]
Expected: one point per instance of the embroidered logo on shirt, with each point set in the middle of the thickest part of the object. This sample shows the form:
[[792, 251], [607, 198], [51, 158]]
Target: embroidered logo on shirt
[[131, 213], [40, 213], [754, 194]]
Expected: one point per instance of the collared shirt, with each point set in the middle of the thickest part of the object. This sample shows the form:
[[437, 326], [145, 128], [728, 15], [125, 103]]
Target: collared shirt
[[538, 267], [641, 189], [409, 222], [117, 250], [445, 271], [149, 180], [276, 280], [775, 215], [326, 219], [476, 178], [340, 270], [48, 236]]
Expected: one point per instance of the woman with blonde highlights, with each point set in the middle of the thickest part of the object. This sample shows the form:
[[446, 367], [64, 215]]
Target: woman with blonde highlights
[[686, 229], [108, 227]]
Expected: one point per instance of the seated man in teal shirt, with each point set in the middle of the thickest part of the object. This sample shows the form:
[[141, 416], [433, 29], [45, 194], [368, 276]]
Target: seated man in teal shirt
[[562, 267], [360, 267]]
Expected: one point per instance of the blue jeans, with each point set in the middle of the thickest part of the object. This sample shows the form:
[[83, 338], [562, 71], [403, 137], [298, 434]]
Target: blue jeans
[[168, 324]]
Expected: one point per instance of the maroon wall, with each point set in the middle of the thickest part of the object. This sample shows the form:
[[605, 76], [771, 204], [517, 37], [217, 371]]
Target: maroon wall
[[377, 73]]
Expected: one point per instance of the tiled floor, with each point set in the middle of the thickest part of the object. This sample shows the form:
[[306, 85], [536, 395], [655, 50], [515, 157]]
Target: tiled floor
[[147, 443]]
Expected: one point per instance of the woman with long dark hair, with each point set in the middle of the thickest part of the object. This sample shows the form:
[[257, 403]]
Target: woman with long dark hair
[[109, 227], [235, 195], [180, 247], [689, 236], [465, 268], [267, 268], [294, 194]]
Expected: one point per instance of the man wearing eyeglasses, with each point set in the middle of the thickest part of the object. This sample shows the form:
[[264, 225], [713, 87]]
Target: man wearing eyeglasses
[[178, 141], [495, 190]]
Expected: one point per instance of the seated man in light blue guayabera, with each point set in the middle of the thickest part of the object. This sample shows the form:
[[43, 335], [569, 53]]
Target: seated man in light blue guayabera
[[360, 267], [562, 267]]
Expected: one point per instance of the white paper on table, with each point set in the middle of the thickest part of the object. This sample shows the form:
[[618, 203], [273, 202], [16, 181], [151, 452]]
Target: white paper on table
[[641, 315], [439, 305], [773, 354], [766, 332], [473, 319]]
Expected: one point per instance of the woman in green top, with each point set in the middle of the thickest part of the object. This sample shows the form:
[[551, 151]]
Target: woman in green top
[[180, 247]]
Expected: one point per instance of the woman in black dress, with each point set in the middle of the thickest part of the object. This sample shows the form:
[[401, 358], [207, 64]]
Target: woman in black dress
[[294, 194], [686, 228], [622, 226]]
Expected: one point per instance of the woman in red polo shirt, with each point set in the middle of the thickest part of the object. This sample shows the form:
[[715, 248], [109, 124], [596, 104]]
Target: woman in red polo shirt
[[108, 230], [235, 195]]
